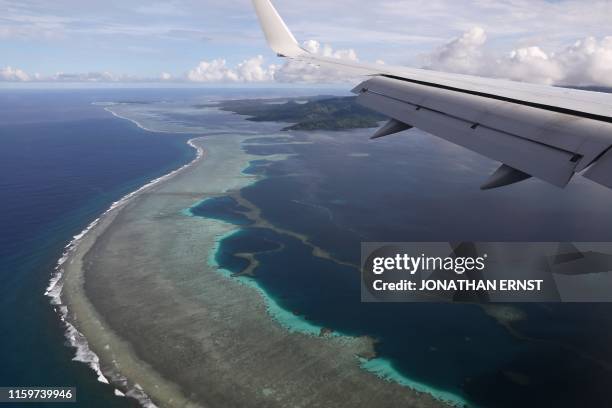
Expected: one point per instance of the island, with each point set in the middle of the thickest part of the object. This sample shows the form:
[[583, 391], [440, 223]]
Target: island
[[313, 113]]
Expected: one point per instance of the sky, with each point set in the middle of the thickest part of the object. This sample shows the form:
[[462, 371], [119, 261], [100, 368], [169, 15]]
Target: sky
[[219, 41]]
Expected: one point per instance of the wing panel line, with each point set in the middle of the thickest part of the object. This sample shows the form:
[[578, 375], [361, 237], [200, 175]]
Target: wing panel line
[[551, 108]]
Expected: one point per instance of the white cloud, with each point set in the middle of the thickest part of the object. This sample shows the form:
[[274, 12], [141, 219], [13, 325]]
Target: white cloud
[[529, 64], [255, 70], [13, 75], [10, 74], [463, 54], [213, 71], [296, 71], [250, 70], [326, 50], [586, 62], [85, 77]]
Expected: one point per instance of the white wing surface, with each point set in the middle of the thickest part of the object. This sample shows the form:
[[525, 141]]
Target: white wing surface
[[534, 131]]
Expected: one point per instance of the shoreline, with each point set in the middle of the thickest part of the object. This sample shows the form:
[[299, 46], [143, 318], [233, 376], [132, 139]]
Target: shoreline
[[55, 288], [138, 124]]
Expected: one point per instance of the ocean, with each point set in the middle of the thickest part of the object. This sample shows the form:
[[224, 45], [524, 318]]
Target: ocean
[[63, 161]]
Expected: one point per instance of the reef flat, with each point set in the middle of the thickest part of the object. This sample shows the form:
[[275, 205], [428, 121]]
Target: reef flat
[[162, 319]]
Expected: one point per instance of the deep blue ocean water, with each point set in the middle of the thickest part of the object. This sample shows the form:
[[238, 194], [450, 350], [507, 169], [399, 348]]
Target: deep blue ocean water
[[62, 163]]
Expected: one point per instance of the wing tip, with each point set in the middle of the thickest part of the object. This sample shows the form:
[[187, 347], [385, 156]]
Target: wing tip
[[277, 34]]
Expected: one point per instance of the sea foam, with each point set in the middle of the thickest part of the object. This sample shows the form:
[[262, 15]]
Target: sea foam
[[76, 339]]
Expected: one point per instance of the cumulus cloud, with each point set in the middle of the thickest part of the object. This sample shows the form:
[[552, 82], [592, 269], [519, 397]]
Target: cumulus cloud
[[326, 50], [213, 71], [586, 62], [13, 75], [255, 70], [250, 70], [463, 54], [296, 71], [529, 64]]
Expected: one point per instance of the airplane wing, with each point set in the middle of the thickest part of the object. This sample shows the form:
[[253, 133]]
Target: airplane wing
[[534, 131]]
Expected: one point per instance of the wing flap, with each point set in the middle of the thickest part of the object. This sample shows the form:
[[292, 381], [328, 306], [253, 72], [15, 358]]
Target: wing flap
[[601, 171]]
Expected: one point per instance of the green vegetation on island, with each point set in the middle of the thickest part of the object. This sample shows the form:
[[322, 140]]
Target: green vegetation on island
[[314, 113]]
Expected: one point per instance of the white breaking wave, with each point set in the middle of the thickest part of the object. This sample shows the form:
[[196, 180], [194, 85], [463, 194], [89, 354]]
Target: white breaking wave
[[115, 114], [141, 126], [54, 291]]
